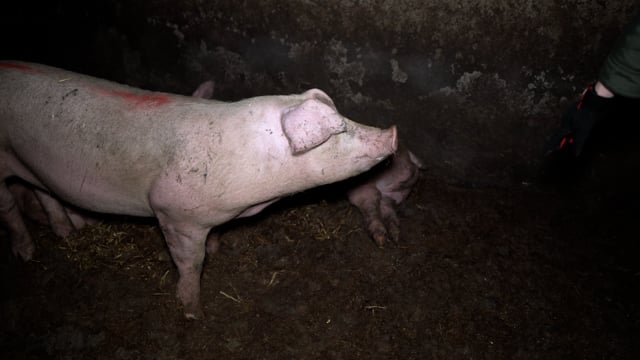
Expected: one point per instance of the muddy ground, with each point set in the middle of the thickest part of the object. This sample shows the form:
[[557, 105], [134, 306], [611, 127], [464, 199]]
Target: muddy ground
[[532, 271]]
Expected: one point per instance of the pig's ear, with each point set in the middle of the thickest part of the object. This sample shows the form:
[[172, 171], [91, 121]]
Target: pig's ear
[[205, 90], [321, 96], [416, 160], [310, 124]]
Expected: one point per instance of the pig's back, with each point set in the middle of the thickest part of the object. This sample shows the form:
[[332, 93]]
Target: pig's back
[[94, 143]]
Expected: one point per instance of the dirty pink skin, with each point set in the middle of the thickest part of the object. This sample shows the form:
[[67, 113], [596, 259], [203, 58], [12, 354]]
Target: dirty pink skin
[[46, 210], [191, 163], [376, 193], [380, 191]]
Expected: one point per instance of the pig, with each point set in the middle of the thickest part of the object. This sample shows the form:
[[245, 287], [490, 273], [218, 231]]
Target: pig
[[191, 163], [376, 193]]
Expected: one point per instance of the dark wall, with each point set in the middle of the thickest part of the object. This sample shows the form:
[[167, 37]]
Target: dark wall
[[474, 86]]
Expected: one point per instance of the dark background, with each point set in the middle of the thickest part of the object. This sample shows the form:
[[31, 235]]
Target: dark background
[[478, 85]]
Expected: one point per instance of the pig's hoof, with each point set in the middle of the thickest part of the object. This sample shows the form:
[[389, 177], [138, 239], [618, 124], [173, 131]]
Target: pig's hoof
[[77, 221], [191, 315], [24, 248], [213, 244], [193, 312], [62, 229], [393, 233], [378, 233], [380, 237]]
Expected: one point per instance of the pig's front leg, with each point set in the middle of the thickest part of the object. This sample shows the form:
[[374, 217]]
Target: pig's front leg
[[368, 199], [186, 243], [390, 219]]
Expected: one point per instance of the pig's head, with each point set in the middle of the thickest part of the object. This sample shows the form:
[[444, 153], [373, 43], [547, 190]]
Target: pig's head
[[325, 146], [332, 146]]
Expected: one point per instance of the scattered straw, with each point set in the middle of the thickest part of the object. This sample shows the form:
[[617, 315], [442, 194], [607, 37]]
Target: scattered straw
[[373, 308], [229, 296]]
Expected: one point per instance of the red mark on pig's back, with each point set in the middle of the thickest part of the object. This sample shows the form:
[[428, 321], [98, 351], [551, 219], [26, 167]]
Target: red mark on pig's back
[[148, 99], [21, 67]]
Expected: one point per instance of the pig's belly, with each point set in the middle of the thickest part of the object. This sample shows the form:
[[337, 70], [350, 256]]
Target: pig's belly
[[101, 197], [91, 187]]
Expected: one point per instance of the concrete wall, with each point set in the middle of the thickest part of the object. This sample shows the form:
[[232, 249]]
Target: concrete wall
[[474, 86]]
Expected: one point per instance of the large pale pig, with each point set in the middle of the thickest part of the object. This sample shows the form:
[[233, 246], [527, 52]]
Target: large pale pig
[[191, 163]]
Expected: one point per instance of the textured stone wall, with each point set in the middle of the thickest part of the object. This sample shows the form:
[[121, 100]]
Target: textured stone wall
[[475, 86]]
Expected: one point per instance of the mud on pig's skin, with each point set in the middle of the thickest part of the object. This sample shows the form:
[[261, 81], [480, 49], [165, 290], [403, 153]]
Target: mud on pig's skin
[[111, 148]]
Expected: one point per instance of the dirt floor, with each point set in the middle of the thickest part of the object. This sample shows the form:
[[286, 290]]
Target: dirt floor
[[481, 273]]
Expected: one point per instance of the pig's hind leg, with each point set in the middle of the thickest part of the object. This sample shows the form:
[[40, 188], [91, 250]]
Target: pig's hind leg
[[21, 242], [56, 213]]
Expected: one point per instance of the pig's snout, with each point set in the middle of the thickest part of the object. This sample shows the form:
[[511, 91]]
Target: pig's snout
[[385, 143]]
